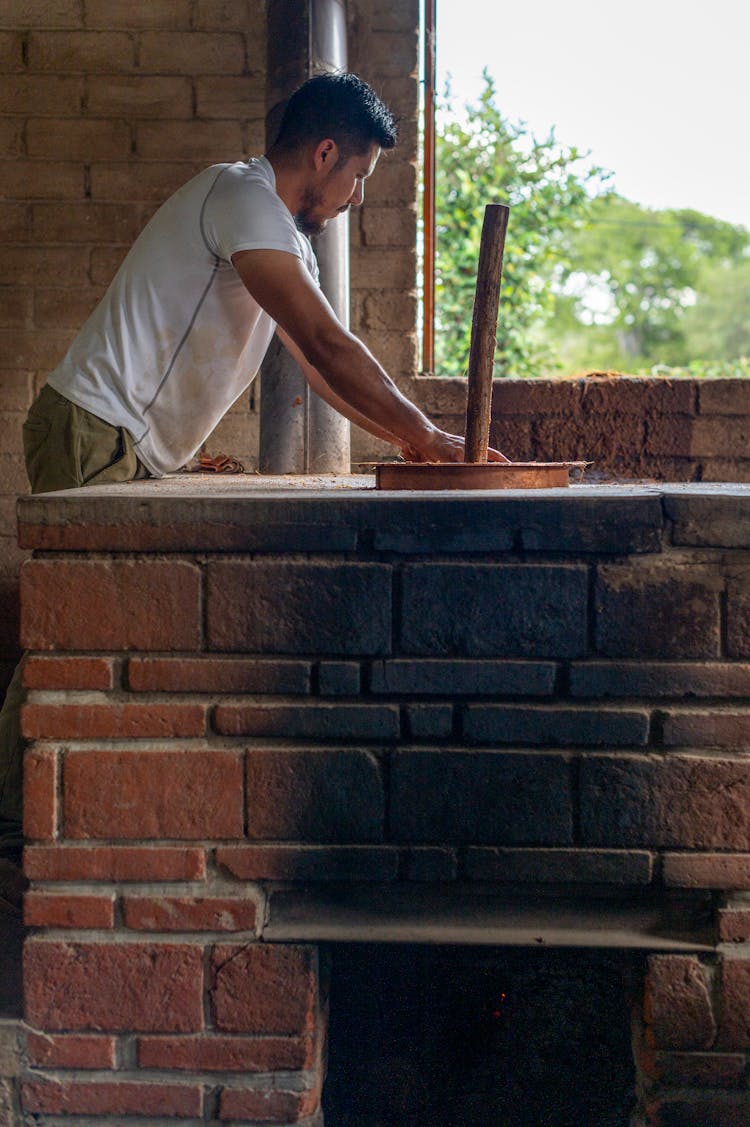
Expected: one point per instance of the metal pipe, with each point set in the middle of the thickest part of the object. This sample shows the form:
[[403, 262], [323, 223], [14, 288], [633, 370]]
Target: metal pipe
[[299, 432]]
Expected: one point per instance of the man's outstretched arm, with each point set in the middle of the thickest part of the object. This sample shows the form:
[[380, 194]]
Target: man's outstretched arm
[[281, 285], [323, 389]]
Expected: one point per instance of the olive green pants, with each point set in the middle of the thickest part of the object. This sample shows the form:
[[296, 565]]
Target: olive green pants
[[64, 447]]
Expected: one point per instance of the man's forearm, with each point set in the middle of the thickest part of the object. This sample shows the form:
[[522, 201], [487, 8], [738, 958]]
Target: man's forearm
[[322, 388], [355, 377]]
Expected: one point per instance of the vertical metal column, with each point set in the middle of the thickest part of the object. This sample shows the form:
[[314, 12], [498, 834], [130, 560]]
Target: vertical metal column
[[299, 432]]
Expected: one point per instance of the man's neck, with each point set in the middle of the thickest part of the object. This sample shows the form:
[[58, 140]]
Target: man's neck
[[289, 181]]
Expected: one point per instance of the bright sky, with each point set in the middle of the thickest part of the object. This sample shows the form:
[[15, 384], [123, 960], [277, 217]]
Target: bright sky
[[657, 90]]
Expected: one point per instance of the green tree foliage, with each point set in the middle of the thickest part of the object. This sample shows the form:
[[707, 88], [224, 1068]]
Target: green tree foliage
[[718, 324], [590, 280], [637, 278], [481, 158]]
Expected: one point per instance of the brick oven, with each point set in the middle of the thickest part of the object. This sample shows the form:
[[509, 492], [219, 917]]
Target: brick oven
[[271, 715]]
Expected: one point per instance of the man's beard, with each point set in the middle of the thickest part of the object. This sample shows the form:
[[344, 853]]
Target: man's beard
[[304, 219]]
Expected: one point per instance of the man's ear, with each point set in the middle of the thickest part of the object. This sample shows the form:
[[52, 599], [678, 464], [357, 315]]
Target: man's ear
[[325, 155]]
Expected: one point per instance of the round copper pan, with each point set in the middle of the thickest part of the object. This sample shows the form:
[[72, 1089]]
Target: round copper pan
[[473, 475]]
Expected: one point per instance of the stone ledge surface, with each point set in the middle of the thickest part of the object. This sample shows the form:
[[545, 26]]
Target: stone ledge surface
[[432, 916], [337, 514]]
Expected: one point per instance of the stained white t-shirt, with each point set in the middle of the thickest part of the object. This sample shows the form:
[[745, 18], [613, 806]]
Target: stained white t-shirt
[[177, 338]]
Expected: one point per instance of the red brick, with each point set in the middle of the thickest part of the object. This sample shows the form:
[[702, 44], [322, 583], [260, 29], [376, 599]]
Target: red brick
[[50, 180], [114, 863], [189, 140], [707, 870], [110, 604], [83, 1097], [186, 913], [734, 1030], [388, 226], [157, 13], [232, 98], [15, 309], [14, 222], [265, 989], [64, 307], [13, 475], [723, 397], [587, 866], [714, 435], [11, 51], [734, 923], [28, 348], [40, 807], [538, 398], [139, 96], [270, 1107], [63, 52], [40, 13], [149, 988], [225, 1054], [41, 94], [706, 728], [309, 721], [67, 265], [669, 434], [46, 909], [70, 1050], [314, 796], [11, 442], [712, 1070], [275, 606], [385, 270], [17, 396], [681, 606], [86, 222], [725, 469], [68, 672], [11, 556], [393, 311], [115, 721], [210, 14], [678, 800], [217, 675], [154, 794], [105, 262], [384, 15], [678, 1003], [309, 862], [730, 1109], [140, 180], [11, 137], [194, 52]]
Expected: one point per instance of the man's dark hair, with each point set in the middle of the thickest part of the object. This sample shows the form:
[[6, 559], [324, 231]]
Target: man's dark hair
[[339, 106]]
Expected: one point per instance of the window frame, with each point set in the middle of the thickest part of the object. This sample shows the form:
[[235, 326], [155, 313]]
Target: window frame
[[429, 232]]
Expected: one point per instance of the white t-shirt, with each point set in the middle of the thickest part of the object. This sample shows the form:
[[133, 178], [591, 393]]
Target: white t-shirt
[[177, 337]]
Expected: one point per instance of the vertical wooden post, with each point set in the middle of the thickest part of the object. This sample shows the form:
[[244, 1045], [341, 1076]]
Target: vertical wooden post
[[483, 332]]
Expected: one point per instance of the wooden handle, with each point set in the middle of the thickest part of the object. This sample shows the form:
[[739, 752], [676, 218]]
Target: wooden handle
[[483, 332]]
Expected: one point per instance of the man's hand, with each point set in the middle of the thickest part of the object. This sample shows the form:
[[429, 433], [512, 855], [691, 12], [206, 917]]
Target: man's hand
[[358, 385], [443, 447]]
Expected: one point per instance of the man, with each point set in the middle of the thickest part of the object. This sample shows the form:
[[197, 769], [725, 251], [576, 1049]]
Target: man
[[183, 328]]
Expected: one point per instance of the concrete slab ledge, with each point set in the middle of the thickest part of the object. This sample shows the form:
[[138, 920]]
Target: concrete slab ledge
[[430, 916]]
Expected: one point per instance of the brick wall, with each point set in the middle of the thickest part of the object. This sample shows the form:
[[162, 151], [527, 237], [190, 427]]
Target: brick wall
[[106, 108], [232, 691], [629, 427]]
